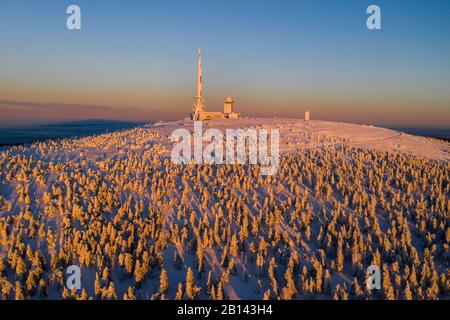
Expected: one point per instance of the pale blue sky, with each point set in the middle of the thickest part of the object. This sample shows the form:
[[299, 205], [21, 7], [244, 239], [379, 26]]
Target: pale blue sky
[[276, 57]]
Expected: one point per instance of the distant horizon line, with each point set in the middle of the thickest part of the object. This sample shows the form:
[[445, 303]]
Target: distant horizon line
[[61, 112], [108, 120]]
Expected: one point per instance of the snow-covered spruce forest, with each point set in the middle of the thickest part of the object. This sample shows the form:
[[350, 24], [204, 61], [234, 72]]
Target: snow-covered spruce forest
[[141, 227]]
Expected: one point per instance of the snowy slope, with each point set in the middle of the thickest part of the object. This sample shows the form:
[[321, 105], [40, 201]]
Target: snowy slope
[[337, 195]]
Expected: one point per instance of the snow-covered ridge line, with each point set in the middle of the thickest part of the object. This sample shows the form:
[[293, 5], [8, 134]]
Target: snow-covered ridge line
[[295, 135]]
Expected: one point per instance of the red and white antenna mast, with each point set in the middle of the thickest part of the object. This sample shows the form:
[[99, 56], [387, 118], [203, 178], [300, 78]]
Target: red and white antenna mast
[[199, 105]]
